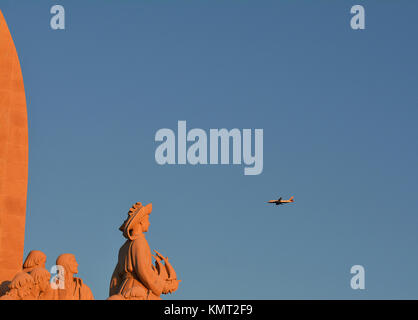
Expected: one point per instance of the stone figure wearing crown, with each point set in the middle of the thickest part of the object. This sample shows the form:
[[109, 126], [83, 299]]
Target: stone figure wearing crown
[[135, 276]]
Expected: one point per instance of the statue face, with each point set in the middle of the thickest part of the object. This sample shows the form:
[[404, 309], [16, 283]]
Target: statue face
[[145, 223], [44, 285], [24, 291], [73, 265]]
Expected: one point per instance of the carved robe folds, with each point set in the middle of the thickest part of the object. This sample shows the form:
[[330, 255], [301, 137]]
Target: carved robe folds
[[135, 269]]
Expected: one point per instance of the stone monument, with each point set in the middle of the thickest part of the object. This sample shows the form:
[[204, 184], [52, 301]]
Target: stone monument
[[135, 276], [13, 157]]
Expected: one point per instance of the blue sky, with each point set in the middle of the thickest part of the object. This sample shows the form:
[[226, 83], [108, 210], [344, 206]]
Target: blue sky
[[338, 108]]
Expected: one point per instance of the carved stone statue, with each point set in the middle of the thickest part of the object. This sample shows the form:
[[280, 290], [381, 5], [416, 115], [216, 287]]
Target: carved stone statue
[[34, 259], [33, 283], [21, 288], [73, 288], [30, 283], [135, 276], [42, 289]]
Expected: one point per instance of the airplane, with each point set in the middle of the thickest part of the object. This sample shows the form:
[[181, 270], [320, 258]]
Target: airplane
[[280, 201]]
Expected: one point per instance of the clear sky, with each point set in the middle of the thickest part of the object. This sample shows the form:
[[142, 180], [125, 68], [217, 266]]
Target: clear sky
[[339, 112]]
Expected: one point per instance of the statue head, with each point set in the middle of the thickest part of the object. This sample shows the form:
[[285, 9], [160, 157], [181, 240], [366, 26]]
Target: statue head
[[22, 285], [137, 221], [68, 261], [41, 278], [34, 259]]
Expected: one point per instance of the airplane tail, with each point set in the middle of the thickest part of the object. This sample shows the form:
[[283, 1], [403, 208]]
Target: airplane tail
[[291, 199]]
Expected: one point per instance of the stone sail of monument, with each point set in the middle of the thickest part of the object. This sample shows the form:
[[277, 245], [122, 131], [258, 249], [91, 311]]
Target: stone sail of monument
[[13, 157]]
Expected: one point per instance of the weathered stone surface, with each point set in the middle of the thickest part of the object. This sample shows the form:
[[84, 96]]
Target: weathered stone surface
[[13, 157]]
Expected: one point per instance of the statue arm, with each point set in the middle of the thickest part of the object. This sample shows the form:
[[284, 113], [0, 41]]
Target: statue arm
[[142, 260]]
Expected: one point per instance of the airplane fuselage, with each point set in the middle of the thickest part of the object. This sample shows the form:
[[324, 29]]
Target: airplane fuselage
[[280, 201]]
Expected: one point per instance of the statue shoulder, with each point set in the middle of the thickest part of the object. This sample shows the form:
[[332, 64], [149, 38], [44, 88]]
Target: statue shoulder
[[85, 291]]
